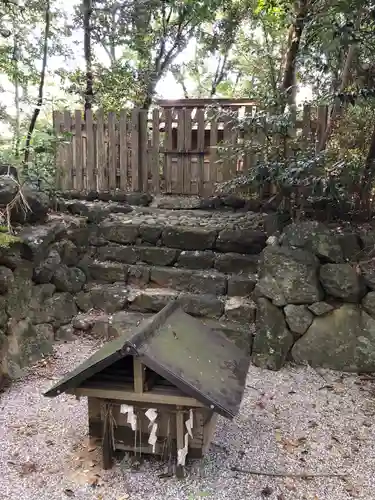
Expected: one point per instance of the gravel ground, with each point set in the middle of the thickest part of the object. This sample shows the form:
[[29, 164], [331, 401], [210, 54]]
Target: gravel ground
[[296, 420]]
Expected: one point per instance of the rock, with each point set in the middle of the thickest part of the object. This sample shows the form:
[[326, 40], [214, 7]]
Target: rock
[[233, 201], [118, 253], [119, 231], [36, 200], [350, 245], [189, 238], [139, 199], [273, 340], [3, 312], [365, 349], [313, 237], [342, 281], [61, 307], [138, 275], [157, 256], [107, 272], [84, 322], [241, 285], [201, 305], [45, 270], [65, 332], [331, 340], [94, 211], [27, 343], [190, 281], [268, 287], [320, 308], [68, 252], [19, 293], [38, 238], [274, 223], [248, 241], [240, 309], [368, 273], [37, 311], [196, 259], [6, 279], [368, 303], [298, 318], [150, 234], [236, 263], [150, 299], [12, 255], [68, 279], [108, 298], [294, 271], [177, 202]]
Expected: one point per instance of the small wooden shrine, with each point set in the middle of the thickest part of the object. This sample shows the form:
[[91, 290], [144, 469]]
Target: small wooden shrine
[[158, 390]]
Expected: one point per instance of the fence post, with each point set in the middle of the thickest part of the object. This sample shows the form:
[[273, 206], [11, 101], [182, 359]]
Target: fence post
[[135, 161]]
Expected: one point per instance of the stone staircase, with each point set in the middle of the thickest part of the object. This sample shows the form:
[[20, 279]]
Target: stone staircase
[[141, 260]]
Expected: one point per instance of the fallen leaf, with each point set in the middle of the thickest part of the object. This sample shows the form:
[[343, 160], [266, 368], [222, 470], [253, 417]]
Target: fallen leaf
[[28, 468], [69, 493], [278, 435], [124, 497], [280, 496], [266, 492]]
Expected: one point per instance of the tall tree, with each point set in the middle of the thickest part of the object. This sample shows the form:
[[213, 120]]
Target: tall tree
[[41, 85], [87, 13]]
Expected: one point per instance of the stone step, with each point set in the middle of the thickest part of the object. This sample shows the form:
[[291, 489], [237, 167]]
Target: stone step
[[230, 262], [111, 298], [239, 309], [237, 233], [208, 281], [109, 326]]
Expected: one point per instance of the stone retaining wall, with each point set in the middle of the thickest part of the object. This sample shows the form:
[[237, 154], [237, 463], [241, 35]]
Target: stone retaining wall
[[135, 259], [316, 299]]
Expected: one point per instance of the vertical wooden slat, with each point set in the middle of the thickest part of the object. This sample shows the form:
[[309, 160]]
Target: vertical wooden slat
[[101, 156], [139, 376], [180, 470], [78, 151], [155, 158], [187, 171], [227, 135], [168, 144], [215, 167], [248, 160], [200, 147], [58, 124], [112, 151], [180, 148], [123, 151], [90, 152], [136, 178], [143, 149], [233, 142], [68, 156]]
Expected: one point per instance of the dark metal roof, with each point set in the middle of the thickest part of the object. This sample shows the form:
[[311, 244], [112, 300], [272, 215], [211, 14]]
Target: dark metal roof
[[202, 363]]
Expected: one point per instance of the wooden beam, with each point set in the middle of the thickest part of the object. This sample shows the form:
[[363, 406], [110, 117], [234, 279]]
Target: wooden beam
[[193, 103], [139, 376], [146, 397], [180, 469]]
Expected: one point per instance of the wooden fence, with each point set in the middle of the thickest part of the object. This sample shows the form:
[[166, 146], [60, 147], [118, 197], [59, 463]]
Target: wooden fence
[[171, 149]]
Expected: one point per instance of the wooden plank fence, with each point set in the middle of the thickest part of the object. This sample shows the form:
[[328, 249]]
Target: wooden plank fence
[[172, 150]]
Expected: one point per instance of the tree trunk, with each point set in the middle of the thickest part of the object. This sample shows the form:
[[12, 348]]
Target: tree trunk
[[17, 125], [337, 106], [87, 13], [294, 41], [41, 86], [368, 174]]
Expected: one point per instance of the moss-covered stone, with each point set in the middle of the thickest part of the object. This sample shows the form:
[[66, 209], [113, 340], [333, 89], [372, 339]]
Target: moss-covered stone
[[7, 240]]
